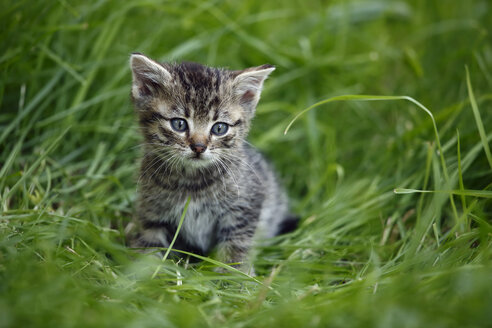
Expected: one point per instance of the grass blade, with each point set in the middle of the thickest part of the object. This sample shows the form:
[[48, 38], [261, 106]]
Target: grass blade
[[388, 98], [478, 118], [32, 105], [164, 258], [36, 163], [467, 192]]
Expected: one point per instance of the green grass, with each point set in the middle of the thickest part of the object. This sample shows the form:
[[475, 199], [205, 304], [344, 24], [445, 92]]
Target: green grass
[[395, 202]]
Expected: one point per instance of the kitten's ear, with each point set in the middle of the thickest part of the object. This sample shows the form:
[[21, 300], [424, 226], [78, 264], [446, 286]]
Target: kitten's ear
[[148, 76], [248, 84]]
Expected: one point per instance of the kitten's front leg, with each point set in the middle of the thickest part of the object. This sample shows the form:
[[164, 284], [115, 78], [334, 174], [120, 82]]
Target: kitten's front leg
[[150, 237], [155, 237], [234, 245]]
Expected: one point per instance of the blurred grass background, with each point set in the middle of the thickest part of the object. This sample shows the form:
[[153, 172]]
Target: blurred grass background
[[363, 255]]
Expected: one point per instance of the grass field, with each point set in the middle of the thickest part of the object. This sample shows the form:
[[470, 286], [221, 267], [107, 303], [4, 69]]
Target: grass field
[[372, 249]]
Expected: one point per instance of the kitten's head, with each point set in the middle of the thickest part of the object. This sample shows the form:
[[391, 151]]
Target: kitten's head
[[194, 113]]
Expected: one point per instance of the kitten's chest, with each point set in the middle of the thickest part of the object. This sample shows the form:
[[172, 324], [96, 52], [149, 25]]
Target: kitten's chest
[[199, 224]]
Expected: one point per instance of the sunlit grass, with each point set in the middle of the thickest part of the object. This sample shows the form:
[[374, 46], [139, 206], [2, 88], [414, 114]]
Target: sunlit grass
[[394, 194]]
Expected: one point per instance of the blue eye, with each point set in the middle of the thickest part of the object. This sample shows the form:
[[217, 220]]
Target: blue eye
[[178, 124], [219, 129]]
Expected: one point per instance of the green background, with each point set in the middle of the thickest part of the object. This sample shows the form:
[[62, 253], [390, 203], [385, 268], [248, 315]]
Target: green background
[[363, 254]]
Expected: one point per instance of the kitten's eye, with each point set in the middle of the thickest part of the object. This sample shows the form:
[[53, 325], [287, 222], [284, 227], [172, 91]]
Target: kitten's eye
[[219, 129], [178, 124]]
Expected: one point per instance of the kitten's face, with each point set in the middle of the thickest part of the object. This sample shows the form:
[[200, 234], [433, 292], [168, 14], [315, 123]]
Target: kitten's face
[[193, 115]]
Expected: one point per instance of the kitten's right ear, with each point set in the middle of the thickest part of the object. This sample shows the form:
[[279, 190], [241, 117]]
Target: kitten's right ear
[[148, 76], [248, 84]]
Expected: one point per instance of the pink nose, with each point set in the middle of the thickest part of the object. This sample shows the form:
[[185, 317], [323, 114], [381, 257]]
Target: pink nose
[[198, 147]]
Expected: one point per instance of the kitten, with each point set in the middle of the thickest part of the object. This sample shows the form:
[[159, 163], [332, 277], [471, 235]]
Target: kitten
[[195, 120]]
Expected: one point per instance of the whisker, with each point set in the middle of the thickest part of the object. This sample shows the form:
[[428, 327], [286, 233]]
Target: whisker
[[242, 162], [154, 161], [228, 170], [221, 171], [156, 172]]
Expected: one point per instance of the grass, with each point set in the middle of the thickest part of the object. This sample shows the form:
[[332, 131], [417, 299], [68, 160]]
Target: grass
[[395, 202]]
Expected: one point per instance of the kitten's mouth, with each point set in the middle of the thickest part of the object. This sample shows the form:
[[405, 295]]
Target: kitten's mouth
[[197, 157]]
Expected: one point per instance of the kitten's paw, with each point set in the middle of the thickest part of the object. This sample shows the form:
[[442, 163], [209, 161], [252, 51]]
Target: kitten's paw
[[245, 268], [249, 270]]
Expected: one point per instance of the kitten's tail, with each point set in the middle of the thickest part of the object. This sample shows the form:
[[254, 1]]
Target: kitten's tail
[[289, 224]]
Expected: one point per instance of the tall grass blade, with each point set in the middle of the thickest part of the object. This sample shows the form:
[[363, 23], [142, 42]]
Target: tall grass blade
[[478, 118], [181, 220], [472, 193]]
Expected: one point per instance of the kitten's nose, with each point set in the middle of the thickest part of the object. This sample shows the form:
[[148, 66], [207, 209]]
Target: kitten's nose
[[198, 147]]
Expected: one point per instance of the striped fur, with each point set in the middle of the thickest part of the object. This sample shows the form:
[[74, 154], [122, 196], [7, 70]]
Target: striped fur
[[234, 194]]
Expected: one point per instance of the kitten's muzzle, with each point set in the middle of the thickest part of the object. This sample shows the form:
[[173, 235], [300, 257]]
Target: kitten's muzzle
[[198, 147]]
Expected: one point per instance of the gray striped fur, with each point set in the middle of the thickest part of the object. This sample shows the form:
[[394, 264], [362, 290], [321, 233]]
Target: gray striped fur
[[234, 194]]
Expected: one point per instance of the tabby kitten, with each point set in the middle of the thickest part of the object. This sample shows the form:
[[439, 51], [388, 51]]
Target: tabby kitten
[[195, 120]]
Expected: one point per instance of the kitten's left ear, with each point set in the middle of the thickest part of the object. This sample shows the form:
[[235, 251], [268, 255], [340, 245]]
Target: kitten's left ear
[[248, 84]]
